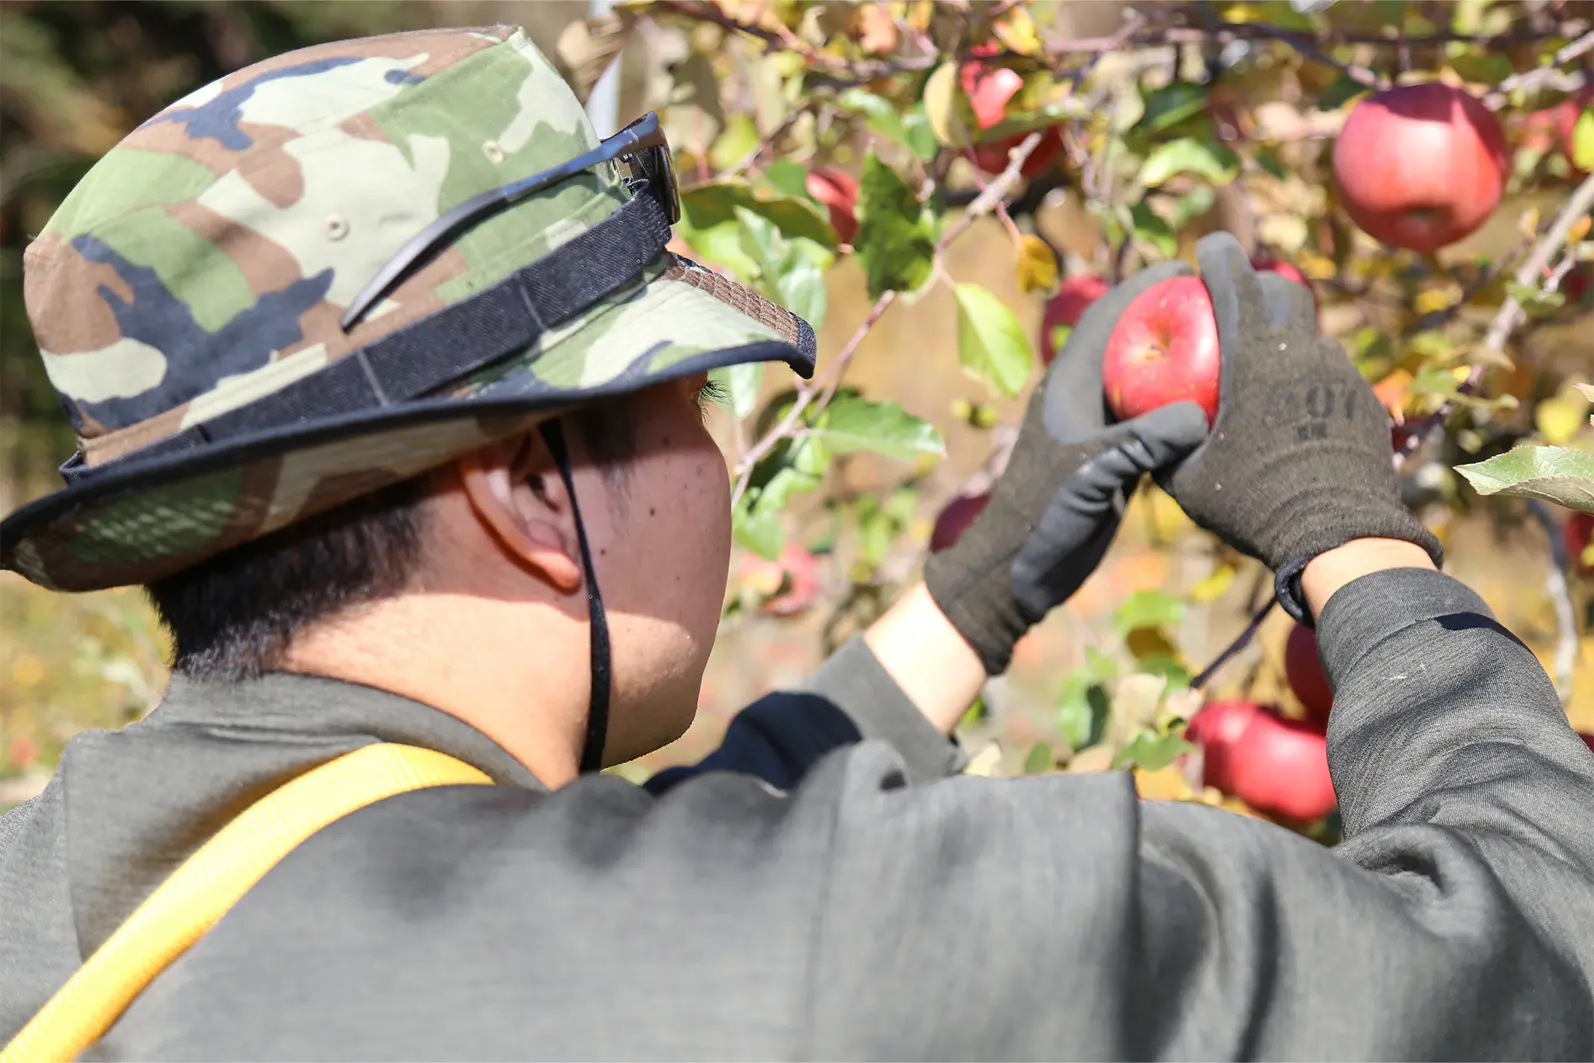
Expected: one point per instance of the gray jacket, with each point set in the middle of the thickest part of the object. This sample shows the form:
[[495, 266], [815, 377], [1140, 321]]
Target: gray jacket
[[854, 902]]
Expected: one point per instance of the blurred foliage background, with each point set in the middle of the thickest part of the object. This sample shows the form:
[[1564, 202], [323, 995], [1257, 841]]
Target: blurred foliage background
[[76, 76]]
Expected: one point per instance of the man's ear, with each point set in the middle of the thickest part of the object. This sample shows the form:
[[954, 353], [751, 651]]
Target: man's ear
[[515, 490]]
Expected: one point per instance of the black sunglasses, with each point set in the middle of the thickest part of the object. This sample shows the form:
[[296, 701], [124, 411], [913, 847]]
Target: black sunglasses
[[640, 147]]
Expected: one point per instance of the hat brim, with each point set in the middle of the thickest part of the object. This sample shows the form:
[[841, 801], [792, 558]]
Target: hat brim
[[134, 521]]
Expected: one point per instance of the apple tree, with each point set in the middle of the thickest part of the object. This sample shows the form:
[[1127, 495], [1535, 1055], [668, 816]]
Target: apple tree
[[1422, 167]]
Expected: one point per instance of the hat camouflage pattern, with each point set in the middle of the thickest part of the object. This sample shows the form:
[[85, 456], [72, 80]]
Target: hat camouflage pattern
[[201, 268]]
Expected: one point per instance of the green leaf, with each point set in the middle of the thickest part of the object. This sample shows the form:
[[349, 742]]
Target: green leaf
[[1147, 609], [879, 114], [788, 178], [1082, 711], [1039, 759], [1204, 158], [1170, 668], [1150, 751], [710, 225], [851, 424], [1555, 474], [896, 233], [1583, 140], [795, 465], [920, 137], [1147, 225], [1172, 104], [992, 346], [787, 272]]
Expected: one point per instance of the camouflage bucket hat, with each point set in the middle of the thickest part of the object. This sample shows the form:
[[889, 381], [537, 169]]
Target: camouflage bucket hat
[[221, 307]]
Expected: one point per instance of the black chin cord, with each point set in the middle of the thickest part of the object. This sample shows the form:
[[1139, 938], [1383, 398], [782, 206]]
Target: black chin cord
[[598, 706]]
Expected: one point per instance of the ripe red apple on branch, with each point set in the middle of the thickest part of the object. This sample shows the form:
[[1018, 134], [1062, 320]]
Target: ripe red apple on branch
[[990, 89], [785, 587], [1164, 350], [1420, 166]]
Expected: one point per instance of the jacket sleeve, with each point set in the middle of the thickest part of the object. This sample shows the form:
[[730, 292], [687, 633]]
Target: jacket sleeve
[[1059, 915], [851, 698]]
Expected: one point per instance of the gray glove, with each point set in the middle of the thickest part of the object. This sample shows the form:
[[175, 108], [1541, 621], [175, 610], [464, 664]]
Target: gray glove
[[1299, 459], [1053, 513]]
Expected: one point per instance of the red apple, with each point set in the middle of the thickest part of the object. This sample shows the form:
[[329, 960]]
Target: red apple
[[1304, 672], [1280, 766], [1420, 166], [787, 586], [837, 190], [990, 89], [1215, 729], [992, 158], [1164, 350], [1065, 308], [1588, 740], [1287, 270], [955, 520], [1576, 532]]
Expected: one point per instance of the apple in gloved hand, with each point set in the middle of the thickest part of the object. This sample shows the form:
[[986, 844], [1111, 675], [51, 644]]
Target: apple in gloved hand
[[1164, 350]]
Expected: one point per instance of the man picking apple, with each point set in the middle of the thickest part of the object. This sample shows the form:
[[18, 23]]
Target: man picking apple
[[407, 448]]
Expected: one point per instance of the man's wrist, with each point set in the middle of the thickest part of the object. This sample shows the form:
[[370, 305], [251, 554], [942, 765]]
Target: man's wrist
[[920, 648], [1329, 571]]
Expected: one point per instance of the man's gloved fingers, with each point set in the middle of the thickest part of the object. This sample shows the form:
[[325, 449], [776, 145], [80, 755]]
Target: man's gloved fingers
[[1237, 297], [1074, 402], [1287, 303], [1168, 434]]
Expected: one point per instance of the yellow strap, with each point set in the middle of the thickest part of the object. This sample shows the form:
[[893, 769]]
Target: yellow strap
[[211, 881]]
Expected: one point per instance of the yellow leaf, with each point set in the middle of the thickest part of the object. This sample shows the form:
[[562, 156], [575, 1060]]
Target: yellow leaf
[[1242, 13], [1148, 642], [1018, 31], [1214, 586], [1580, 228], [1587, 558], [1433, 300], [1316, 267], [1167, 784], [1036, 265], [950, 114], [1558, 420], [1528, 224]]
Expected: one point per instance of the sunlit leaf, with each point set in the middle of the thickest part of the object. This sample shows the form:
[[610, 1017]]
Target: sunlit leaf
[[851, 423], [1039, 759], [1147, 225], [947, 107], [992, 346], [1583, 140], [1150, 751], [787, 273], [1036, 266], [1171, 104], [1152, 608], [1214, 586], [1205, 158], [1554, 474]]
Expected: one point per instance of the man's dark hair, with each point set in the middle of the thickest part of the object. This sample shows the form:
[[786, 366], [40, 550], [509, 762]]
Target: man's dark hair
[[234, 615]]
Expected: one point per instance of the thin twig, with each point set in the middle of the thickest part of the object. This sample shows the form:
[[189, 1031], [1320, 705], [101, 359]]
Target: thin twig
[[1511, 314], [1308, 47], [1240, 642], [1556, 586], [1531, 79]]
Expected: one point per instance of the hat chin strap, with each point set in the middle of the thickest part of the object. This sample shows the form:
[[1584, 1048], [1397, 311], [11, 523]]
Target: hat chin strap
[[598, 626]]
